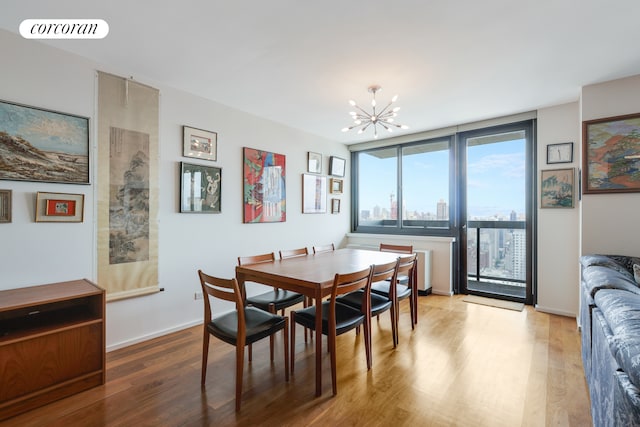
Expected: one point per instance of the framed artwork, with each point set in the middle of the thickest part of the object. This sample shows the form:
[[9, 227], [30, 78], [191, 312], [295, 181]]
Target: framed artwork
[[200, 188], [335, 206], [336, 185], [314, 162], [560, 153], [264, 186], [199, 143], [59, 207], [557, 188], [611, 155], [314, 194], [5, 206], [43, 145], [336, 166]]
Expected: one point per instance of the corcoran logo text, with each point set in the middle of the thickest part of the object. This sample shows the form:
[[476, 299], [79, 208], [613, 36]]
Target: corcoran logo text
[[64, 29]]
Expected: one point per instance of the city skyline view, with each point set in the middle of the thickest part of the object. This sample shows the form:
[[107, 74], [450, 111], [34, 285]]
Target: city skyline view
[[495, 182]]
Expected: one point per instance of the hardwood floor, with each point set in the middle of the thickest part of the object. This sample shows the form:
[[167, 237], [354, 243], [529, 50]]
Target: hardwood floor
[[464, 365]]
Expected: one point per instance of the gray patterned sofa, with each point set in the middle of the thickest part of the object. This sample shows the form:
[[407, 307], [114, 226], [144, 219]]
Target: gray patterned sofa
[[610, 331]]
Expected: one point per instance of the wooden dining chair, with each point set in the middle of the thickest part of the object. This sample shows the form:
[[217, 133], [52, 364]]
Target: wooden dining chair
[[403, 249], [240, 327], [378, 303], [397, 291], [272, 300], [338, 318], [404, 279], [324, 248], [293, 253]]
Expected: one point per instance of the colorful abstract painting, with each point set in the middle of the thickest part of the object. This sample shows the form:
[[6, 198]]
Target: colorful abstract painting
[[264, 186], [612, 154]]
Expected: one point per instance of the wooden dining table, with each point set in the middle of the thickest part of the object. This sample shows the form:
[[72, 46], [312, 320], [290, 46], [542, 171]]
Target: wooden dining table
[[312, 275]]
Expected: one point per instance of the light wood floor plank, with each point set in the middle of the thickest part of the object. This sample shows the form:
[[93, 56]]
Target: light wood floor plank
[[464, 365]]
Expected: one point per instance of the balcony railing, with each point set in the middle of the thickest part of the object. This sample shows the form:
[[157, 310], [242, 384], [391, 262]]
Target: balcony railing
[[496, 256]]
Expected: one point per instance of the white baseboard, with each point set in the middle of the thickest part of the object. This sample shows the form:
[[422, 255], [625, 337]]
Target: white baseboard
[[156, 334], [555, 311]]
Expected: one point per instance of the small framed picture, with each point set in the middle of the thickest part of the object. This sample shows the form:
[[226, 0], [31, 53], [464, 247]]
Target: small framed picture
[[314, 162], [314, 193], [59, 207], [336, 166], [336, 186], [199, 143], [200, 188], [335, 206], [5, 206], [560, 153], [557, 188]]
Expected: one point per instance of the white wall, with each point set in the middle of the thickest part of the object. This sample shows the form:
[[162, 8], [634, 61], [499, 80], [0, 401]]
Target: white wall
[[37, 253], [558, 229], [610, 221]]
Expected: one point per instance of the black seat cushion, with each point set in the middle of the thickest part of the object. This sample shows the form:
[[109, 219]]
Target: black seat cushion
[[259, 324], [382, 288], [379, 303], [280, 299], [347, 318]]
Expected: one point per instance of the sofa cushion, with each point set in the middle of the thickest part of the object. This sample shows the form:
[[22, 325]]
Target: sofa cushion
[[621, 311], [596, 277], [636, 273], [614, 262], [625, 261]]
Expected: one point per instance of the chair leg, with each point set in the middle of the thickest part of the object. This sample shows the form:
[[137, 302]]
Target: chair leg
[[205, 355], [250, 352], [412, 308], [394, 330], [292, 341], [331, 338], [285, 338], [272, 309], [239, 368], [367, 341]]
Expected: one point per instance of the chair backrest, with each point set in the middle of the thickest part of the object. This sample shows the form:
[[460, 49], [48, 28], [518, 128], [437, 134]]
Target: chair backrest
[[406, 264], [387, 271], [345, 283], [256, 259], [325, 248], [385, 247], [292, 253], [225, 289]]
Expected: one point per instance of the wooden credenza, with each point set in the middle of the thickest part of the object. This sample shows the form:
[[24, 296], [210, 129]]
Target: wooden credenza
[[52, 343]]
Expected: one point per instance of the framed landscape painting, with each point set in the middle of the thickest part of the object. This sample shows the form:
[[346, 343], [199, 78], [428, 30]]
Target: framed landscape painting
[[611, 155], [264, 186], [557, 188], [43, 145]]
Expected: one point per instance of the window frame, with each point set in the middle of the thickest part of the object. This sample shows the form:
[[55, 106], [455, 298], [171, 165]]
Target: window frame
[[399, 228]]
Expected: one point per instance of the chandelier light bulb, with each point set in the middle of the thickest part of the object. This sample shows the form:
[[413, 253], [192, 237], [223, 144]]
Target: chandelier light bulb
[[378, 116]]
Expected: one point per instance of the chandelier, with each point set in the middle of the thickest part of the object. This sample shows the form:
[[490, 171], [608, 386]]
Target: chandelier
[[384, 117]]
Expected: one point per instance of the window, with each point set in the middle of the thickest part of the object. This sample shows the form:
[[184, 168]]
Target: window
[[404, 188]]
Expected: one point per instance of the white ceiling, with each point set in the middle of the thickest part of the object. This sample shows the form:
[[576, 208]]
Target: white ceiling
[[299, 62]]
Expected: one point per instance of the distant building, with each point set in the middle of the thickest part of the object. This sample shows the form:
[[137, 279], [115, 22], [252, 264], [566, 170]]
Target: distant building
[[442, 210]]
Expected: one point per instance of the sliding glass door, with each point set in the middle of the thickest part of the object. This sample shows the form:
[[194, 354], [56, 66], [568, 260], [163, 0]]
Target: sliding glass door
[[496, 204]]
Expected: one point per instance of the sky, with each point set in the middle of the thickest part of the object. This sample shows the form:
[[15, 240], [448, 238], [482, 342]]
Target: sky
[[495, 176]]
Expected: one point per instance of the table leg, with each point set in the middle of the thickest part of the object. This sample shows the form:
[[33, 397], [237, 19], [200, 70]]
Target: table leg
[[318, 337]]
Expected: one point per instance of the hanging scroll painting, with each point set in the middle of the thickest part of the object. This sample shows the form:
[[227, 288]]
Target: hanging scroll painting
[[127, 187]]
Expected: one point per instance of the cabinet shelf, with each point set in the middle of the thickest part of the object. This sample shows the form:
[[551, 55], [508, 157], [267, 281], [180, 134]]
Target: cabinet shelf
[[52, 343]]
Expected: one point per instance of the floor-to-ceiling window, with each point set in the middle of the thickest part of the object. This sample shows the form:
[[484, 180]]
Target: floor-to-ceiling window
[[476, 186]]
